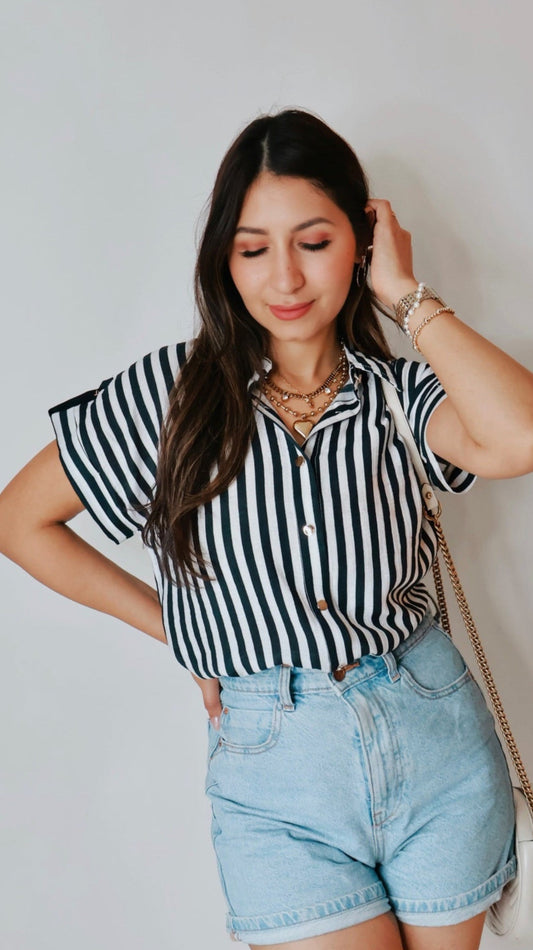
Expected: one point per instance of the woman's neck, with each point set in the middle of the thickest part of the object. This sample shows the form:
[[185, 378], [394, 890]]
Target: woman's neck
[[304, 366]]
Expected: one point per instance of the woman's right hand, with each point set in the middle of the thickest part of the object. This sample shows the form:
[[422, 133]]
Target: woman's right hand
[[211, 694]]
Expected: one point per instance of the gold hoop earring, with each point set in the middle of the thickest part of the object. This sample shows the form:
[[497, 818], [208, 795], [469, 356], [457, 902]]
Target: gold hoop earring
[[362, 270]]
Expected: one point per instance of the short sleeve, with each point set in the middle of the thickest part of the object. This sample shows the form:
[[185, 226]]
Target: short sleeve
[[108, 439], [421, 392]]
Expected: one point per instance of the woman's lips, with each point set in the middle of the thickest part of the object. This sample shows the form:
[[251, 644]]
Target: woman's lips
[[291, 313]]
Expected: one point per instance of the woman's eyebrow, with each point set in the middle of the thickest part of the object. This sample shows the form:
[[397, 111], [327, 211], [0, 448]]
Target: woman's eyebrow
[[299, 227]]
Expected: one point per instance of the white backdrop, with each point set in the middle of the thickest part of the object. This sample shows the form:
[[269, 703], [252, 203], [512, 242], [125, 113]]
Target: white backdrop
[[115, 116]]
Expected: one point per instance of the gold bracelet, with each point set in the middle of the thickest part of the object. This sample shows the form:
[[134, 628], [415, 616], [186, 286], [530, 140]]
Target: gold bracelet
[[407, 305], [425, 322]]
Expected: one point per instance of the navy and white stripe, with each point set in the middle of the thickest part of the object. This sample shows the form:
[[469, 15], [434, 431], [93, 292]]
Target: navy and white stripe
[[317, 552]]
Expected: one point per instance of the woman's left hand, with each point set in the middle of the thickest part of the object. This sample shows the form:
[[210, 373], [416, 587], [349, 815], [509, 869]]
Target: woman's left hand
[[391, 265], [211, 696]]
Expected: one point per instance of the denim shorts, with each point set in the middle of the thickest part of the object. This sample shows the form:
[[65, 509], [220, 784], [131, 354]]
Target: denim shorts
[[334, 801]]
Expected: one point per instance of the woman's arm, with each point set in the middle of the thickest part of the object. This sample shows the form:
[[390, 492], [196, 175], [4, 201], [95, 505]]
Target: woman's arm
[[34, 507], [486, 424]]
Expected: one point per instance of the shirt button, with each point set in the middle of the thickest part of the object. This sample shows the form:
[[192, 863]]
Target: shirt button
[[322, 604], [308, 529], [299, 460]]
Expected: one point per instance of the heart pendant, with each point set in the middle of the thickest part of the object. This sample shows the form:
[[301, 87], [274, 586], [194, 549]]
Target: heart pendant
[[303, 427]]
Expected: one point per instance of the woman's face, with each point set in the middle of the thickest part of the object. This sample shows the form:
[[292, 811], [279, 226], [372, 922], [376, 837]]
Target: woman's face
[[292, 258]]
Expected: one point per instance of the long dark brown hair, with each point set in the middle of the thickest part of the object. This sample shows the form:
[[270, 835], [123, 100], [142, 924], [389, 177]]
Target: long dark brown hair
[[210, 420]]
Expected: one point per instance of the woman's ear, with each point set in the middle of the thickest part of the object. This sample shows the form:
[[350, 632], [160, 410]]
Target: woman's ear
[[363, 243]]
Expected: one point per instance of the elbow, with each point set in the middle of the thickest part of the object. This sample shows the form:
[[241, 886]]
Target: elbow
[[8, 537], [14, 532], [518, 457], [4, 530], [528, 457], [508, 458], [525, 451]]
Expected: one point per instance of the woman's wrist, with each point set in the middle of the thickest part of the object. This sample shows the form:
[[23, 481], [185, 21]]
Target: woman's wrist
[[407, 286], [416, 309], [415, 305]]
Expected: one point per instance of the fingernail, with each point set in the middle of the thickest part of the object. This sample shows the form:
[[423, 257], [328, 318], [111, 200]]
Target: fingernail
[[215, 722]]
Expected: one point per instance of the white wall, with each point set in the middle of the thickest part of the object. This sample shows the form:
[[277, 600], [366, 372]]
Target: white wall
[[115, 116]]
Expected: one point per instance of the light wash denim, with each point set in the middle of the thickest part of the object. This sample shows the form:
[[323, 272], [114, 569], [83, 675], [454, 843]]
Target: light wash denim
[[335, 801]]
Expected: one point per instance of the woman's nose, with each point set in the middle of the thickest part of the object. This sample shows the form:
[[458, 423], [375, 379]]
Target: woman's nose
[[286, 276]]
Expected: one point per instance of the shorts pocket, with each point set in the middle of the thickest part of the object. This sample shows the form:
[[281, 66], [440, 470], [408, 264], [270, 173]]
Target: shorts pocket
[[249, 723], [434, 667]]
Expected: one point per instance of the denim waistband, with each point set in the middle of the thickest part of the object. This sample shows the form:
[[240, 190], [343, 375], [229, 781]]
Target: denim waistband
[[286, 680]]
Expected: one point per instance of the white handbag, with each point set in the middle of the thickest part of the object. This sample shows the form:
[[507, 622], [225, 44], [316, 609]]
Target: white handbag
[[512, 915]]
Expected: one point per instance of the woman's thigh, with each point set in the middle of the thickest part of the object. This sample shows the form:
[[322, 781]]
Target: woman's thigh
[[383, 933], [380, 933], [464, 936]]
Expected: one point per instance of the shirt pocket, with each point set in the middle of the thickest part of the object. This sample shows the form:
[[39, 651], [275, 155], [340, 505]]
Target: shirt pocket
[[434, 667]]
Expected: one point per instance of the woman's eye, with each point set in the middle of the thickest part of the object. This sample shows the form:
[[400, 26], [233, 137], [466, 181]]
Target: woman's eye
[[316, 247], [308, 247], [254, 253]]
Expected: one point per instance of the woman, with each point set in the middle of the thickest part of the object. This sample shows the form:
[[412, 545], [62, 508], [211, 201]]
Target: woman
[[353, 767]]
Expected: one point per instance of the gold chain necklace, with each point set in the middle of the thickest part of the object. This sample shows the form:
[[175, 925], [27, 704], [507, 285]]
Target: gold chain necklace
[[308, 397], [304, 421]]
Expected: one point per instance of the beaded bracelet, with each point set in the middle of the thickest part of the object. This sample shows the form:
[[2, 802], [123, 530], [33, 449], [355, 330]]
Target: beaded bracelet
[[407, 305], [425, 322]]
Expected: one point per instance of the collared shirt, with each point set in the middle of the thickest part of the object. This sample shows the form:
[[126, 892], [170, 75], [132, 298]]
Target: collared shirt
[[316, 552]]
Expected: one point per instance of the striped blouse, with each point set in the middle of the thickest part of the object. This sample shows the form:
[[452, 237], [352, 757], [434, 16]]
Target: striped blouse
[[317, 552]]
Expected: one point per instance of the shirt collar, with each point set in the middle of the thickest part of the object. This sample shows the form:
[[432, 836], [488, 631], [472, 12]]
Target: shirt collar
[[267, 365], [360, 362]]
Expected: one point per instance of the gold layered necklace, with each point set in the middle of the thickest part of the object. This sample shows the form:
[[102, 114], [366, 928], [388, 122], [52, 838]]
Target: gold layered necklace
[[304, 421]]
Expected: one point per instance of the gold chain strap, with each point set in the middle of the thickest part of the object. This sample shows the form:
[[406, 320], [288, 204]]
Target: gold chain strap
[[441, 597], [479, 652]]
